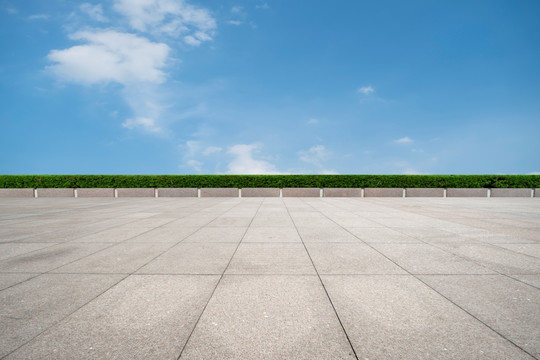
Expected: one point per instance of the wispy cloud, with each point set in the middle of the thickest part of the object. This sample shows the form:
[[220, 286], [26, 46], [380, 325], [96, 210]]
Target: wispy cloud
[[235, 22], [315, 155], [366, 90], [110, 56], [12, 10], [243, 161], [237, 9], [404, 140], [263, 6], [313, 121], [130, 58], [95, 12], [38, 17], [145, 124], [211, 150], [169, 17]]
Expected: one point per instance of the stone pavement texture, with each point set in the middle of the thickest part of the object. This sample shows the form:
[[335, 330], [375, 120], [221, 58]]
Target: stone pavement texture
[[270, 278]]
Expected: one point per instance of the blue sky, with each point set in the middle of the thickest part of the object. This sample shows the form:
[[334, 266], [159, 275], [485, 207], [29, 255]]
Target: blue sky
[[268, 86]]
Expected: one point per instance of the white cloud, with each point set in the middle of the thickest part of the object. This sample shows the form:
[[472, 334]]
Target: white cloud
[[211, 150], [313, 121], [38, 17], [95, 12], [234, 22], [410, 171], [170, 17], [534, 173], [196, 165], [328, 172], [366, 90], [110, 56], [315, 155], [263, 6], [145, 124], [404, 140], [236, 9], [244, 163]]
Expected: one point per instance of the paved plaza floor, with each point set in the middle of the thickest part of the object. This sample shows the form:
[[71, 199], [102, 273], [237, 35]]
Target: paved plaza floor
[[270, 278]]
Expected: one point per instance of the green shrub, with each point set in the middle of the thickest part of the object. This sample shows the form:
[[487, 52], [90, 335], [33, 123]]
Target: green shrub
[[278, 181]]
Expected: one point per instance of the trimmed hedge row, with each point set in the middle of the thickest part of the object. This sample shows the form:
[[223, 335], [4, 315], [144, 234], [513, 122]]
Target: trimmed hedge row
[[276, 181]]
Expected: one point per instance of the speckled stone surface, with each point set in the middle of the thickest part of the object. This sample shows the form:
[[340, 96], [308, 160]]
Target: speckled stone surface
[[272, 278]]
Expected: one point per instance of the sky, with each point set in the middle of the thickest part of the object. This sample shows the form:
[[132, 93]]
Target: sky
[[269, 87]]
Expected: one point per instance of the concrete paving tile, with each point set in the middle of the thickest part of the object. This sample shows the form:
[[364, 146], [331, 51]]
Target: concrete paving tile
[[426, 233], [271, 258], [398, 317], [143, 317], [8, 250], [350, 258], [527, 249], [272, 221], [230, 221], [381, 235], [270, 317], [323, 234], [426, 259], [533, 280], [114, 235], [49, 258], [217, 235], [29, 308], [192, 258], [118, 259], [508, 306], [271, 234], [495, 258], [164, 234], [10, 279]]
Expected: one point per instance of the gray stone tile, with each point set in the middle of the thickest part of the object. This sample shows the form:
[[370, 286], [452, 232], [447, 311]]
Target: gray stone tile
[[527, 249], [301, 192], [136, 192], [219, 192], [329, 234], [424, 192], [95, 192], [467, 193], [533, 280], [217, 235], [118, 259], [383, 192], [268, 258], [272, 234], [114, 235], [342, 192], [231, 221], [381, 235], [270, 317], [398, 317], [8, 250], [178, 192], [164, 234], [192, 258], [508, 306], [350, 258], [511, 192], [495, 258], [31, 307], [260, 192], [49, 258], [426, 259], [143, 317], [45, 193], [28, 193], [10, 279]]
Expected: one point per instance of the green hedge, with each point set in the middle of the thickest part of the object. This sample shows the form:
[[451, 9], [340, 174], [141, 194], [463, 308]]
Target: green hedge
[[279, 181]]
